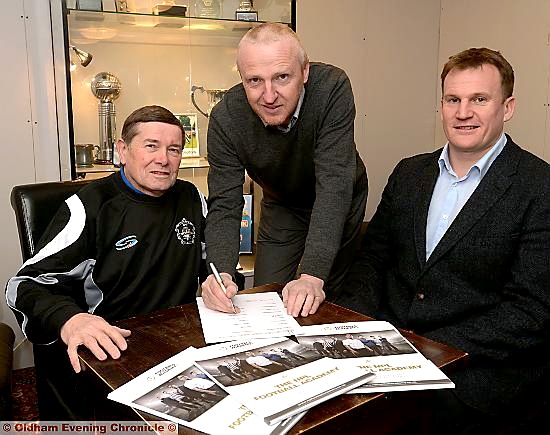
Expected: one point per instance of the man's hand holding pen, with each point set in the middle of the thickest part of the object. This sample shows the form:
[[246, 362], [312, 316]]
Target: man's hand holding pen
[[214, 296]]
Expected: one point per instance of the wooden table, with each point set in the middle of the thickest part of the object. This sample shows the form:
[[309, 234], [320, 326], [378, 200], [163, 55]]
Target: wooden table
[[162, 334]]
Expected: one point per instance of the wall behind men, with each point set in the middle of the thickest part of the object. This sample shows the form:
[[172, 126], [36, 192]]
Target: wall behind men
[[521, 32], [389, 50], [30, 147], [394, 50]]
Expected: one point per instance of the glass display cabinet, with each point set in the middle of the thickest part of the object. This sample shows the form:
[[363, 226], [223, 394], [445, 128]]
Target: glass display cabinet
[[120, 55]]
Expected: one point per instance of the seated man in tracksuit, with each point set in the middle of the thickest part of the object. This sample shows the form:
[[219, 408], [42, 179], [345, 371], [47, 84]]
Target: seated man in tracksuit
[[124, 245]]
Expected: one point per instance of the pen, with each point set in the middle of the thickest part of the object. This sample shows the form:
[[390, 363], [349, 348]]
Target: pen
[[220, 282]]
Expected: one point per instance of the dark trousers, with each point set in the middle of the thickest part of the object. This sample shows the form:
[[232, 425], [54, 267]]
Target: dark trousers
[[451, 416], [57, 385], [65, 395], [281, 241]]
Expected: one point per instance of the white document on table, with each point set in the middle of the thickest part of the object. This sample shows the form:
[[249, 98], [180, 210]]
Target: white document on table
[[262, 315]]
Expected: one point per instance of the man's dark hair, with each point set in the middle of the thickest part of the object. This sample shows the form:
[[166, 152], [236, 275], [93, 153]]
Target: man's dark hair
[[476, 58], [148, 114]]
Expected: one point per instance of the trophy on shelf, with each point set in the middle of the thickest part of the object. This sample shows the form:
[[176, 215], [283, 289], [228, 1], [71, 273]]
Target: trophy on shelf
[[246, 12], [214, 97], [106, 87], [209, 8]]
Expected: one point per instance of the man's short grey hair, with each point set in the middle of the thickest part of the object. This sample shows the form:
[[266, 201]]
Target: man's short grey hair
[[267, 33]]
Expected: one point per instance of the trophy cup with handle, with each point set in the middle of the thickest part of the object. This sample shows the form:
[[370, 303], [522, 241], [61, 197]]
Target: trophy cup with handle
[[214, 97], [106, 87]]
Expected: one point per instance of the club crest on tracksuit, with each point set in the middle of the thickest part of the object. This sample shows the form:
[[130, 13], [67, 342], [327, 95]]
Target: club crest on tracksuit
[[186, 232]]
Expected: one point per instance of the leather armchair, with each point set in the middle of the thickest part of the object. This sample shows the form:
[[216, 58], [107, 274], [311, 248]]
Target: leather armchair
[[35, 206]]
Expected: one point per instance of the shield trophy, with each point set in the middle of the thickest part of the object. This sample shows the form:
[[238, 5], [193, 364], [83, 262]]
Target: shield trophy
[[214, 97], [106, 87]]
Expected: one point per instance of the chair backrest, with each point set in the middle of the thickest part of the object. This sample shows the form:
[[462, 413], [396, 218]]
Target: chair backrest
[[35, 205]]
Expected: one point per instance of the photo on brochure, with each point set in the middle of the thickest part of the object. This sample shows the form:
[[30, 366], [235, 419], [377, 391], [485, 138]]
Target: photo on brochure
[[382, 343], [186, 396], [251, 365]]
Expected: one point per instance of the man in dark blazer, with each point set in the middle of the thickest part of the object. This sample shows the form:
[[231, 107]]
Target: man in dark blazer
[[459, 251]]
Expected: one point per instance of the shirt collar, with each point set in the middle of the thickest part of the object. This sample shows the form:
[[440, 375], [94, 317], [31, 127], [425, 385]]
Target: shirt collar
[[127, 182], [482, 165]]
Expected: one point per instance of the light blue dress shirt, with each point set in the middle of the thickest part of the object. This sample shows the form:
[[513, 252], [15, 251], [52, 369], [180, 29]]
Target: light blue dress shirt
[[451, 193], [295, 114]]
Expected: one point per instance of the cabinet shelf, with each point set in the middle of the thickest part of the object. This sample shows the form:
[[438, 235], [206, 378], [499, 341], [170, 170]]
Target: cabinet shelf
[[122, 27], [157, 60]]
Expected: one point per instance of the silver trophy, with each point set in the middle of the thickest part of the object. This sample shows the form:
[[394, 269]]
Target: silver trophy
[[214, 97], [246, 12], [106, 87]]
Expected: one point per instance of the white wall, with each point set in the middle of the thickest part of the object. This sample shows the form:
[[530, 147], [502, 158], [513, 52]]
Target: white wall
[[394, 50], [520, 30], [30, 150], [18, 143], [389, 48]]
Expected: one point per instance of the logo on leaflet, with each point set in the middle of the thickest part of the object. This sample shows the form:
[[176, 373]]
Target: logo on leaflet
[[126, 242]]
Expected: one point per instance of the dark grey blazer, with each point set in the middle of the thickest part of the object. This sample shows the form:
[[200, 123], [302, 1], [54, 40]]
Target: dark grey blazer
[[485, 288]]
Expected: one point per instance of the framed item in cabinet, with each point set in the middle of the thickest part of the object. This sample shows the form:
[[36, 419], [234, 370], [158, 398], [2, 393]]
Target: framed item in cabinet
[[246, 226], [191, 127], [122, 6], [89, 5]]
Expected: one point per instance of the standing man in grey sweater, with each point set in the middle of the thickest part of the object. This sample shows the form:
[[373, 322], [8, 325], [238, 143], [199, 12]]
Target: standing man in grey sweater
[[290, 125]]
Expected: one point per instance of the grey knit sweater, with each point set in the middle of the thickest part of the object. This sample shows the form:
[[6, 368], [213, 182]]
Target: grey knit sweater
[[314, 167]]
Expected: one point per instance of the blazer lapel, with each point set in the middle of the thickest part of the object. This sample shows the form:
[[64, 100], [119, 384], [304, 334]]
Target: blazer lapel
[[493, 185], [426, 183]]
